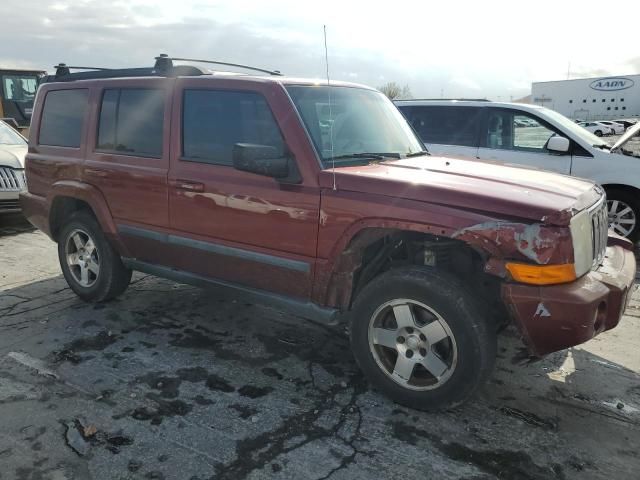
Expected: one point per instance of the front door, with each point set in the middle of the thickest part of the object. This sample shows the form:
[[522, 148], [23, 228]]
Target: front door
[[515, 137], [231, 225]]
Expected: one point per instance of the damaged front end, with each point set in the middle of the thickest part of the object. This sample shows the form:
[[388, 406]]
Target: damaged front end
[[562, 285]]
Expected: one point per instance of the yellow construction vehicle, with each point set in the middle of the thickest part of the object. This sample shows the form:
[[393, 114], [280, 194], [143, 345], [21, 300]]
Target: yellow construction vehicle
[[17, 92]]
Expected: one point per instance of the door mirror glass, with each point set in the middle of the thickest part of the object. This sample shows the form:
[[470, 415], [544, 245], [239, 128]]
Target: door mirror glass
[[264, 160], [558, 144]]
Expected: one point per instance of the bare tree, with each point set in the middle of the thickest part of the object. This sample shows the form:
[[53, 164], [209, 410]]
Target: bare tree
[[395, 91]]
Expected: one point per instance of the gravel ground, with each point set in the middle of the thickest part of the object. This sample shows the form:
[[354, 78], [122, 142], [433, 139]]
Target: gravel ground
[[174, 382]]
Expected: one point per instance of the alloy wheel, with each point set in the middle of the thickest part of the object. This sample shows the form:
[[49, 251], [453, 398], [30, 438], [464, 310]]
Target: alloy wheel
[[82, 258], [412, 344], [622, 218]]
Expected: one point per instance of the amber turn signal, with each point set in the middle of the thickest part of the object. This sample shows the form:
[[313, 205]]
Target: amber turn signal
[[542, 274]]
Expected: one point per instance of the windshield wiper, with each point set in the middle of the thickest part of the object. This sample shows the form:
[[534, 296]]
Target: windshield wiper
[[417, 154], [369, 155], [603, 146]]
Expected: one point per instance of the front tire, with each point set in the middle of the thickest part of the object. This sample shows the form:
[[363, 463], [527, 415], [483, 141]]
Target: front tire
[[90, 265], [623, 208], [598, 133], [419, 337]]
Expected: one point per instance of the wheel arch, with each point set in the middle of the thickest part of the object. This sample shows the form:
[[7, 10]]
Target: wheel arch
[[67, 197], [621, 186], [374, 249]]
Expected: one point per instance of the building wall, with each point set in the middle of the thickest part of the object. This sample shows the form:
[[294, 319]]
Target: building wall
[[603, 98]]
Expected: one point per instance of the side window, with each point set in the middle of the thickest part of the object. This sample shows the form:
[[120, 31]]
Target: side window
[[214, 121], [508, 130], [532, 138], [131, 122], [62, 118], [446, 125]]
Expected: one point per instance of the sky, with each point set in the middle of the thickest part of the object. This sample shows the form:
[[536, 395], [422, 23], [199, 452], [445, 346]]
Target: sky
[[455, 48]]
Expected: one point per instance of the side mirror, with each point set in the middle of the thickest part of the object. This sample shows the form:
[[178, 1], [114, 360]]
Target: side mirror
[[558, 144], [265, 160]]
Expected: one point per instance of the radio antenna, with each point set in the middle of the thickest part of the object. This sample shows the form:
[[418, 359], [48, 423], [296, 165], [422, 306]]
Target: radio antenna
[[326, 62]]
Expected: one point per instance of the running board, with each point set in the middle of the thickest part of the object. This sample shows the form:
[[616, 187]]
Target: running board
[[296, 306]]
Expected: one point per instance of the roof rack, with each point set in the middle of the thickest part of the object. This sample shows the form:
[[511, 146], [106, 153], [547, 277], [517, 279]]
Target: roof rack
[[163, 67]]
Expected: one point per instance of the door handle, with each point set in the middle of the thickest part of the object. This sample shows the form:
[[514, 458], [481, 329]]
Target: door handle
[[96, 172], [187, 185]]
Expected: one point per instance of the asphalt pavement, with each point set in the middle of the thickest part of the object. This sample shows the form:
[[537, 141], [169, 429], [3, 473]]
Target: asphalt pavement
[[175, 382]]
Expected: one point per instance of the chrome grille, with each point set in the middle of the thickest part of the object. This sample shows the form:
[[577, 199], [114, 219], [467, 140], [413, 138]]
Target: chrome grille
[[11, 180], [599, 231]]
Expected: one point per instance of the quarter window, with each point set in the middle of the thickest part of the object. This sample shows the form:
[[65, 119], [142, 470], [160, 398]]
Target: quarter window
[[131, 122], [214, 121], [62, 118]]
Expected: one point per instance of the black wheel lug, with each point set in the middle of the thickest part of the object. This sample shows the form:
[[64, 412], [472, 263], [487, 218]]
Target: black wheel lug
[[409, 353], [423, 352], [409, 330], [400, 339], [422, 337]]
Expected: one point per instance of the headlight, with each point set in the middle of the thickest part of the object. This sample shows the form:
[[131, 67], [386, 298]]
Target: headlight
[[582, 238]]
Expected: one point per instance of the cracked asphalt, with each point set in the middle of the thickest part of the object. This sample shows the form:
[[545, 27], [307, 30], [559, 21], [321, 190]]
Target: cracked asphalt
[[174, 382]]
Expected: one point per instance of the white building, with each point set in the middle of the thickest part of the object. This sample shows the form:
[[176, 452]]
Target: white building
[[603, 98]]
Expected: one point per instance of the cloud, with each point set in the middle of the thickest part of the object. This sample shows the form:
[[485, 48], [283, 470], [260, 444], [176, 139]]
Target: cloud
[[634, 63], [420, 49], [466, 83]]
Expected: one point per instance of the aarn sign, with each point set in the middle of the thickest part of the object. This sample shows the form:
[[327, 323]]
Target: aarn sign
[[611, 83]]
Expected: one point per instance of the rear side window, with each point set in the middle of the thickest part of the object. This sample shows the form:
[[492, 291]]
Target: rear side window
[[214, 121], [62, 118], [445, 125], [131, 122]]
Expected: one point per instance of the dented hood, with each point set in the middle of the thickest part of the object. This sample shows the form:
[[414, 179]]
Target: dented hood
[[507, 192]]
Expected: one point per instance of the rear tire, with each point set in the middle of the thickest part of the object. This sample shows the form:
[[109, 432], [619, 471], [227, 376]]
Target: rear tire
[[420, 338], [619, 219], [90, 265], [598, 133]]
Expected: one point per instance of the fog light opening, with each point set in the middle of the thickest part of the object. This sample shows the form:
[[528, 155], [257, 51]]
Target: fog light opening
[[600, 317]]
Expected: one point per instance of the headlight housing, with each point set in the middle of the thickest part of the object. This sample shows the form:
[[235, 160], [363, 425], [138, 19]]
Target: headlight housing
[[582, 238]]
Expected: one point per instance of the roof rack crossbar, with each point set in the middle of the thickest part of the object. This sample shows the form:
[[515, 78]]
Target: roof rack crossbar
[[270, 72], [64, 69]]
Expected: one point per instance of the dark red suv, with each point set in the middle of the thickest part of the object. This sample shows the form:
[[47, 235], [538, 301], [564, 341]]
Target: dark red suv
[[321, 199]]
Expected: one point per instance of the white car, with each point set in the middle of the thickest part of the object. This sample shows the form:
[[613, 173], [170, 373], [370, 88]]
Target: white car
[[13, 148], [597, 128], [618, 128], [492, 131]]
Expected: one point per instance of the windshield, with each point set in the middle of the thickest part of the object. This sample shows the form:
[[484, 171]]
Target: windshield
[[8, 136], [572, 127], [358, 122]]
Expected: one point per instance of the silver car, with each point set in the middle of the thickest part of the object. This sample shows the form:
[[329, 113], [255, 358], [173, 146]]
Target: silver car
[[13, 148]]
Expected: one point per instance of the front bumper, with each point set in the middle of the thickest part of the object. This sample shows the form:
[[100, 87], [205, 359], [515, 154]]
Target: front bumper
[[9, 201], [552, 318]]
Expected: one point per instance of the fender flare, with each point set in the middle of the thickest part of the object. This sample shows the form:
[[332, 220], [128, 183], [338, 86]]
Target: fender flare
[[325, 291], [95, 199]]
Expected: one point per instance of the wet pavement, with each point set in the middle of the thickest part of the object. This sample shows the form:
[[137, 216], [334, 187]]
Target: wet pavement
[[174, 382]]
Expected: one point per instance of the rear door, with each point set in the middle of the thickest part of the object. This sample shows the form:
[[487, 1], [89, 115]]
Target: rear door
[[128, 159], [232, 225], [446, 130], [516, 137]]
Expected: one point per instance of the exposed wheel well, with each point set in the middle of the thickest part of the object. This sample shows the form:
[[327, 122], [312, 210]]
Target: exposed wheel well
[[374, 251], [61, 209], [618, 186]]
